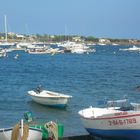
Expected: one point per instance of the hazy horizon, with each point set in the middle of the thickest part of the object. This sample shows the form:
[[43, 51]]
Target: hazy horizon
[[98, 18]]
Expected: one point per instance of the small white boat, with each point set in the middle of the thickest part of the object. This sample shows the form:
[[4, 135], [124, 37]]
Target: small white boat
[[134, 48], [37, 51], [82, 50], [49, 98], [120, 119], [115, 44], [18, 132]]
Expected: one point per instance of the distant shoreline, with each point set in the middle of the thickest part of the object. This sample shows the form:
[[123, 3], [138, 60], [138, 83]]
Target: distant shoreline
[[52, 39]]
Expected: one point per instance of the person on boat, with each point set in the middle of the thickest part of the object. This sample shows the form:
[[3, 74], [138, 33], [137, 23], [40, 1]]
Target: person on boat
[[39, 88]]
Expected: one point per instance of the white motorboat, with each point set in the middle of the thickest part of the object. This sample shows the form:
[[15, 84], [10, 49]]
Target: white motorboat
[[75, 47], [82, 49], [49, 98], [18, 132], [134, 48], [120, 119], [37, 51]]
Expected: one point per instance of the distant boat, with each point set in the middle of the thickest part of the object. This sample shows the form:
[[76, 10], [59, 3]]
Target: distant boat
[[3, 52], [134, 48], [22, 45], [115, 44], [75, 47], [82, 50], [37, 51], [20, 131], [101, 44], [119, 119], [49, 98]]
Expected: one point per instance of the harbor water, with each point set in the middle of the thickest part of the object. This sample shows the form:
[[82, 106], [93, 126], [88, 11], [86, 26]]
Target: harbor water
[[89, 78]]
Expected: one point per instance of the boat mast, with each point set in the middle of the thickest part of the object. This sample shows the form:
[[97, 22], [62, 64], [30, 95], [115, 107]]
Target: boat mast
[[5, 26]]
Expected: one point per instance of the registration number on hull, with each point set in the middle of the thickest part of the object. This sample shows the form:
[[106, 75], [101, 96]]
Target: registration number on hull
[[122, 121]]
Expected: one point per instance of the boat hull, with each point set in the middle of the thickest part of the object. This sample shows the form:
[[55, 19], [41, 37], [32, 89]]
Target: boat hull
[[34, 134], [49, 98], [58, 102], [122, 127]]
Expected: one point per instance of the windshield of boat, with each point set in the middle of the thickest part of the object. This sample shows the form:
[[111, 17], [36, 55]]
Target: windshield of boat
[[123, 105], [39, 89]]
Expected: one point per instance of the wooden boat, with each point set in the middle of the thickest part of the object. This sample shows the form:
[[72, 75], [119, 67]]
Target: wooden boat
[[49, 98], [120, 119], [20, 132]]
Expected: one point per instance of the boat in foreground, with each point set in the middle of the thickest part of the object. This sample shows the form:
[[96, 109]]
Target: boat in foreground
[[49, 98], [50, 130], [120, 119], [28, 129], [20, 132]]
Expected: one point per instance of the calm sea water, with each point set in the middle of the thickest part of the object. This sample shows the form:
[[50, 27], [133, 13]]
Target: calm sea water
[[108, 73]]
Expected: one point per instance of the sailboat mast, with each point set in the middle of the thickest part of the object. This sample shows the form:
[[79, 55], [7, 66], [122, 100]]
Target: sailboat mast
[[5, 25]]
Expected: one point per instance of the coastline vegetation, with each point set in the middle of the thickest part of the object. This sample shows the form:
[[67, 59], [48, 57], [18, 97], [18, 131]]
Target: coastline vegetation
[[12, 37]]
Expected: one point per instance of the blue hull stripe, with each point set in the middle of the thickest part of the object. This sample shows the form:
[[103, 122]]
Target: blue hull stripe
[[134, 134], [57, 105]]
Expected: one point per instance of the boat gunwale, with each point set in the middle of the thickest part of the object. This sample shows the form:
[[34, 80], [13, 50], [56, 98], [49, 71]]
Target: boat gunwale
[[52, 94], [105, 118], [11, 128]]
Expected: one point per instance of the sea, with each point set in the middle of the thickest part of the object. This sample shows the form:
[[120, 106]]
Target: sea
[[90, 78]]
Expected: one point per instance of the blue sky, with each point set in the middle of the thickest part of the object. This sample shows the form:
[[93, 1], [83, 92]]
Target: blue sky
[[99, 18]]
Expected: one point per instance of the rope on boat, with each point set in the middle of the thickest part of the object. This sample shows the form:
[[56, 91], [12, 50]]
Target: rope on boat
[[52, 129], [16, 132]]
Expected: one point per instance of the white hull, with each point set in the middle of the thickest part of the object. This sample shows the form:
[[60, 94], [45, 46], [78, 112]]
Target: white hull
[[49, 98], [34, 134], [112, 122], [134, 48], [120, 122], [35, 52]]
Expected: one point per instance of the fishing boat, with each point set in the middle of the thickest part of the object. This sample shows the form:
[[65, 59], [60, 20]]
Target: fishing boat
[[49, 98], [119, 119], [20, 131]]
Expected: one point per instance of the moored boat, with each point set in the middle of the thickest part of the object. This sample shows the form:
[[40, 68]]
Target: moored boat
[[20, 131], [49, 98], [2, 52], [50, 130], [134, 48], [120, 119]]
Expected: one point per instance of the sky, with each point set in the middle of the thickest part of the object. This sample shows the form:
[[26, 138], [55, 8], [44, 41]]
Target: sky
[[118, 19]]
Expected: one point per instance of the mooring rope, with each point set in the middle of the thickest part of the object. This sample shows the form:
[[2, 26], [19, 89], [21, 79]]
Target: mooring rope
[[15, 132], [52, 129]]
